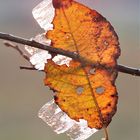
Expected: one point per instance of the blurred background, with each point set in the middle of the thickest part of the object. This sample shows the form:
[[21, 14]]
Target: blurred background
[[22, 93]]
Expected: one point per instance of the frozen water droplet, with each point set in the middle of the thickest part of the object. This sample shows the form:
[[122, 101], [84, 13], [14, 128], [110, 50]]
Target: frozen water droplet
[[79, 90]]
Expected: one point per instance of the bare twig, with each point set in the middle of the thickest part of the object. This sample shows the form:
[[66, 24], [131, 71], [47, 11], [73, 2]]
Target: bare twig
[[27, 68], [128, 70], [35, 44], [16, 47], [120, 68]]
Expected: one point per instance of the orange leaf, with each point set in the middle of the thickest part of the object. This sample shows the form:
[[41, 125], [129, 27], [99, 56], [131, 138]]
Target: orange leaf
[[84, 92]]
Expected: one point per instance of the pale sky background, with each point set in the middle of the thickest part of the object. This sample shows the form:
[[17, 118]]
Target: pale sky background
[[22, 93]]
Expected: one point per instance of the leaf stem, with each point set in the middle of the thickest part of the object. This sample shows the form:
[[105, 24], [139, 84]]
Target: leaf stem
[[97, 106]]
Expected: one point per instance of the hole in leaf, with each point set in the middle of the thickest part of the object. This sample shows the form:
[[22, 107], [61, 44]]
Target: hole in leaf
[[68, 36], [106, 43], [92, 71], [100, 90], [79, 90]]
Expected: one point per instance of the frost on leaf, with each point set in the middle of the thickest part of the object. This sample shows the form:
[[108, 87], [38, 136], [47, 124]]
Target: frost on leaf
[[41, 39], [44, 14], [61, 60], [39, 57], [61, 122]]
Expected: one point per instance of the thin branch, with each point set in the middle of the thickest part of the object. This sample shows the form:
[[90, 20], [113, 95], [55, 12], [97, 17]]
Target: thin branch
[[120, 68], [16, 47], [35, 44], [128, 70], [27, 68]]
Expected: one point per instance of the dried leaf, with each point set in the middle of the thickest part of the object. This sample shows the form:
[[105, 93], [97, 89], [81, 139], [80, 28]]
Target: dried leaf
[[81, 93]]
